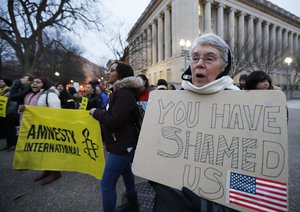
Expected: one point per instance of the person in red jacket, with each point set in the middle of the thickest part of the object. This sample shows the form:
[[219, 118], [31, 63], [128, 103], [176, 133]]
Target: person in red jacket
[[145, 91]]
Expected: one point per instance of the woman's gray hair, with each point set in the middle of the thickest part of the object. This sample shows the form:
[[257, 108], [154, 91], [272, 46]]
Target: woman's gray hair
[[213, 40]]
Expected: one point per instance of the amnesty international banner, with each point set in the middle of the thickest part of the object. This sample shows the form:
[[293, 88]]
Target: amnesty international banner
[[3, 103], [230, 147], [59, 139]]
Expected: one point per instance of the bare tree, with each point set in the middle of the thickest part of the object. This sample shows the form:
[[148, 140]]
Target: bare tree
[[23, 24], [243, 55], [61, 56], [130, 51], [253, 55], [117, 43], [6, 53], [271, 60]]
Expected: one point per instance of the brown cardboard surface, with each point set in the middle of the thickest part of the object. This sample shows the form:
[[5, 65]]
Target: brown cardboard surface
[[196, 141]]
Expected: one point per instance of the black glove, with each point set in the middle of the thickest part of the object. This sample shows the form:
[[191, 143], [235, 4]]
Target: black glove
[[192, 200]]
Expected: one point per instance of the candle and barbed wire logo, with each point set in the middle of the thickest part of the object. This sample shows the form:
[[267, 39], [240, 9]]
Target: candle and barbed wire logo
[[91, 147]]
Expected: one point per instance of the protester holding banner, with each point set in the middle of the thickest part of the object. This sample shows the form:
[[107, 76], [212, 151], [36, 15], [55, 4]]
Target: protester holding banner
[[42, 94], [120, 135], [18, 90], [211, 62]]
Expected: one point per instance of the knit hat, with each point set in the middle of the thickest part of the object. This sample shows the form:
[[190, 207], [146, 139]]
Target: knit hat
[[46, 83], [8, 82]]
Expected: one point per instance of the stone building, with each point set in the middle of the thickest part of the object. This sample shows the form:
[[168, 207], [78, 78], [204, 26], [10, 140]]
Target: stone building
[[254, 25]]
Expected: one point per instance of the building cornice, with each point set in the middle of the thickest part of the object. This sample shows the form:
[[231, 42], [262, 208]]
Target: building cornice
[[274, 10], [145, 15], [262, 5]]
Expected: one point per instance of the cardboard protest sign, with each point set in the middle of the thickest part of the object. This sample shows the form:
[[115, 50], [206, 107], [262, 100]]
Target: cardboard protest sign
[[3, 103], [230, 147], [59, 139]]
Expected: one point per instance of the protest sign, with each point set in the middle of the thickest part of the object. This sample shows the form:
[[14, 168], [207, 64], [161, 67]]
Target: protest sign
[[3, 103], [59, 139], [230, 147], [83, 104]]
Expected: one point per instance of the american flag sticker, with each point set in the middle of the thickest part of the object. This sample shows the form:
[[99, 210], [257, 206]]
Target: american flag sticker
[[256, 193]]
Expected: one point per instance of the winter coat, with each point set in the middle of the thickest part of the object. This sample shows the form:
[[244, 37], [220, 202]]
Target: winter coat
[[144, 98], [94, 101], [49, 98], [118, 123], [12, 106], [66, 100], [18, 91]]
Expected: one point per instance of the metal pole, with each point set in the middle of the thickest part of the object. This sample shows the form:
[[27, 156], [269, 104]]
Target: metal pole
[[185, 60], [288, 83]]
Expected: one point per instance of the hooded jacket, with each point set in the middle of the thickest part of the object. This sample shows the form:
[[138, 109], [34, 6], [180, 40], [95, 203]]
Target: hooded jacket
[[49, 98], [118, 123]]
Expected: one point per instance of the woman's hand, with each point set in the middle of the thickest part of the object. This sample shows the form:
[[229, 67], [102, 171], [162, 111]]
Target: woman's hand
[[21, 109], [92, 111]]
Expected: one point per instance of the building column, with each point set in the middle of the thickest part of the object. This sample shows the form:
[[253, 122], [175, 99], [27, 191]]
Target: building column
[[258, 38], [144, 49], [241, 33], [220, 20], [160, 36], [250, 38], [273, 41], [231, 24], [266, 40], [149, 46], [140, 54], [279, 40], [167, 33], [291, 43], [285, 43], [296, 43], [154, 43], [207, 17]]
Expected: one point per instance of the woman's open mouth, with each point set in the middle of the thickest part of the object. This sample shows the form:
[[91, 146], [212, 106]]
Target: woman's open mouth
[[200, 75]]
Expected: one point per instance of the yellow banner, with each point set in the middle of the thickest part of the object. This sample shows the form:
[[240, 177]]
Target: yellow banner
[[3, 103], [59, 139], [84, 102]]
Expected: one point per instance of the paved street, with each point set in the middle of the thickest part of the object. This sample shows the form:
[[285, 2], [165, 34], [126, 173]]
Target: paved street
[[80, 192]]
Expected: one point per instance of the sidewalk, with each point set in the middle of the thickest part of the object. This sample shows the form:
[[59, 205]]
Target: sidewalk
[[74, 191], [293, 104]]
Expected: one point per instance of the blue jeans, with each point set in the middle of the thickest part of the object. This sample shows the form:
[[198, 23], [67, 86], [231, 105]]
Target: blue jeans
[[116, 165]]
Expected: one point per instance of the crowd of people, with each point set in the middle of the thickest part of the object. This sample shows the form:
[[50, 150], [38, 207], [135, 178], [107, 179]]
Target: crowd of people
[[117, 109]]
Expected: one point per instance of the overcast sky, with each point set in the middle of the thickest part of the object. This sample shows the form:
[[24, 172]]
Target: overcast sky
[[122, 15]]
